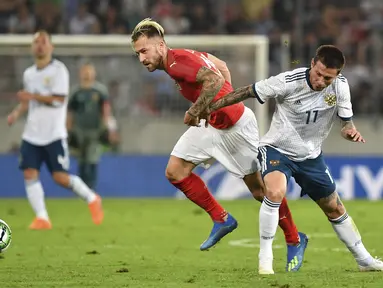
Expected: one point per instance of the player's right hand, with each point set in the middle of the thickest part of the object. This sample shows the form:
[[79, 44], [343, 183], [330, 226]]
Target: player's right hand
[[11, 119], [353, 135]]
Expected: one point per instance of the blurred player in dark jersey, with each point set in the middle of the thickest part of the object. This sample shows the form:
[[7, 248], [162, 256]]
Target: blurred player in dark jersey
[[89, 114]]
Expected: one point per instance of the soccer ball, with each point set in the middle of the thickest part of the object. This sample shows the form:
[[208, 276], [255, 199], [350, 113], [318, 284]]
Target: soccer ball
[[5, 236]]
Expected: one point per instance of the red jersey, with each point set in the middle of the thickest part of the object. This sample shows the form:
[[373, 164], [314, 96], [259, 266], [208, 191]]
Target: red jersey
[[183, 66]]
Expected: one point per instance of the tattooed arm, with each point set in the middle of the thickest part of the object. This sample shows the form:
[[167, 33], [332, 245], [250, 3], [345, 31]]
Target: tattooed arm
[[236, 96], [211, 85], [350, 133]]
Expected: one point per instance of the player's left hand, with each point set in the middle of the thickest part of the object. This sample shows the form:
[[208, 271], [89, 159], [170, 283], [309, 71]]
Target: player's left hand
[[191, 120], [353, 135], [24, 95]]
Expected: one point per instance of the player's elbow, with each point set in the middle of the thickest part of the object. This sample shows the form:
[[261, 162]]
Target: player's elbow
[[59, 98], [24, 106], [220, 81]]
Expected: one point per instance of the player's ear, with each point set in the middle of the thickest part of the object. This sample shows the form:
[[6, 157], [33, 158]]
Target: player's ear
[[162, 44], [312, 63]]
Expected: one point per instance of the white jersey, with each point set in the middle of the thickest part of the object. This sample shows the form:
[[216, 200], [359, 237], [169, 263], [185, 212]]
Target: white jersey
[[303, 117], [46, 124]]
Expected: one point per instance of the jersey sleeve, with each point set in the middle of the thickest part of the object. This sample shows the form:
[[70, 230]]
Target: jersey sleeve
[[344, 99], [60, 85], [272, 87], [184, 68], [103, 90]]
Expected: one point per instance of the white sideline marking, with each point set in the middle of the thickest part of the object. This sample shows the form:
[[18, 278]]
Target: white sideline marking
[[321, 235], [253, 243]]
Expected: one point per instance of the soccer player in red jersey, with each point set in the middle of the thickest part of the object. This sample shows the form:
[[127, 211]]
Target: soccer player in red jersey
[[231, 136]]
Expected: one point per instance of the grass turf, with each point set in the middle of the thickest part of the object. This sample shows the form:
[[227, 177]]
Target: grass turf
[[155, 243]]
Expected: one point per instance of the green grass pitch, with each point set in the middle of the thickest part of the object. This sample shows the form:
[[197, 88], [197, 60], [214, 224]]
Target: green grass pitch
[[155, 243]]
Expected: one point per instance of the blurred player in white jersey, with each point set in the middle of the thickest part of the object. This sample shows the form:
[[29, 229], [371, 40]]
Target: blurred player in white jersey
[[45, 97], [308, 101]]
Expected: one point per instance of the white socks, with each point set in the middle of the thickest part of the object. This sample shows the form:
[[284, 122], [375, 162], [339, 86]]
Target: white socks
[[81, 189], [348, 233], [343, 226], [268, 225], [35, 194]]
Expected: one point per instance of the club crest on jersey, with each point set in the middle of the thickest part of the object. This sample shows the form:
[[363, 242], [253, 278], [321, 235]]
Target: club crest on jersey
[[95, 96], [274, 162], [330, 99]]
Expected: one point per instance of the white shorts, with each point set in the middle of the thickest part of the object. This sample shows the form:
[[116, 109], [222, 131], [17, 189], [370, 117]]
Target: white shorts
[[235, 148]]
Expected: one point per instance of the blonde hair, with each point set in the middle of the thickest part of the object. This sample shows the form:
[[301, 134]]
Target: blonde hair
[[148, 28]]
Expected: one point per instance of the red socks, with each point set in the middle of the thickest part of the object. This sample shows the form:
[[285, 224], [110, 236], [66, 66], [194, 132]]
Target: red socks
[[195, 190], [287, 224]]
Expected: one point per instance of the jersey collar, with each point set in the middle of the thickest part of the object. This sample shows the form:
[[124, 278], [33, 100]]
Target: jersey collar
[[308, 78], [40, 69]]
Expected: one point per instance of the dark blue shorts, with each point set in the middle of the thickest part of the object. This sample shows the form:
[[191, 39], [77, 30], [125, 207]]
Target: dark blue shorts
[[55, 155], [312, 175]]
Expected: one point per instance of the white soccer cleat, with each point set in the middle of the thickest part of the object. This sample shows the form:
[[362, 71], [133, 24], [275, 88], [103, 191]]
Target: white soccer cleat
[[375, 265], [265, 266], [262, 271]]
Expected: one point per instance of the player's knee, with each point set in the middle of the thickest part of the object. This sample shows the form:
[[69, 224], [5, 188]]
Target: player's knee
[[173, 174], [178, 169], [275, 194], [61, 178], [31, 174], [276, 186]]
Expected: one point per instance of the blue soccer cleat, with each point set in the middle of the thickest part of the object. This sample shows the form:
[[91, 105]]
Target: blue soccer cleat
[[295, 253], [219, 231]]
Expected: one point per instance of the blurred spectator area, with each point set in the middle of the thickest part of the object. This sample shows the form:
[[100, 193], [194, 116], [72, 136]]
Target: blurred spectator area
[[355, 26]]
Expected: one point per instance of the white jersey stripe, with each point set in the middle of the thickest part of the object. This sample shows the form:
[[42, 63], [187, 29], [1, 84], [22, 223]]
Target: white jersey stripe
[[295, 79], [294, 75]]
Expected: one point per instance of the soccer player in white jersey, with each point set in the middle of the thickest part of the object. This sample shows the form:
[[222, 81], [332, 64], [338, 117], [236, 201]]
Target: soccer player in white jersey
[[45, 97], [308, 101]]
